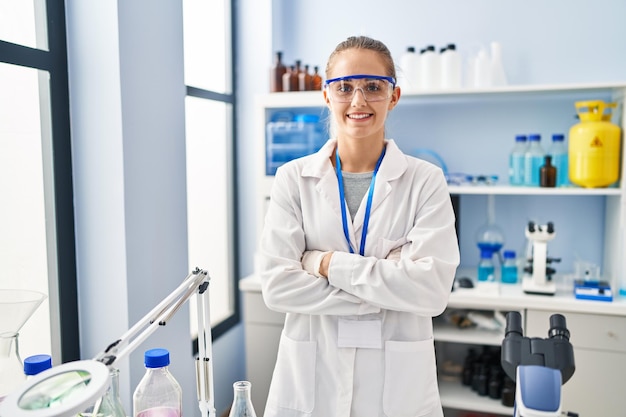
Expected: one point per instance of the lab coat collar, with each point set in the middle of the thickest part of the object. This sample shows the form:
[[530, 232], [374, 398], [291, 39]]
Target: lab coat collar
[[394, 164]]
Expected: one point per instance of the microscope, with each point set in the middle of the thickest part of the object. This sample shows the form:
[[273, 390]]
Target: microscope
[[538, 366], [538, 275]]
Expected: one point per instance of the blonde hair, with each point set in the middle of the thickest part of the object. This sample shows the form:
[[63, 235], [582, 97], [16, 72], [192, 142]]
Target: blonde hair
[[364, 42]]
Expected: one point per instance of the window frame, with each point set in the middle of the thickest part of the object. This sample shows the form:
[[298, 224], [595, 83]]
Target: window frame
[[64, 312], [227, 98]]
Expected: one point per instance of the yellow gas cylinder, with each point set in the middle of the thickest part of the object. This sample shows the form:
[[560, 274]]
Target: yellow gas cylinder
[[594, 146]]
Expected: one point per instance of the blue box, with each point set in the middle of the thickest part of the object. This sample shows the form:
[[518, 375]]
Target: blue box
[[291, 136]]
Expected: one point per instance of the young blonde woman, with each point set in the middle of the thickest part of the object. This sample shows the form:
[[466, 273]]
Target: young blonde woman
[[359, 250]]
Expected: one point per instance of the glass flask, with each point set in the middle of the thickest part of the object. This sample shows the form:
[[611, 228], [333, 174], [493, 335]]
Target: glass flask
[[11, 367], [242, 404], [110, 405]]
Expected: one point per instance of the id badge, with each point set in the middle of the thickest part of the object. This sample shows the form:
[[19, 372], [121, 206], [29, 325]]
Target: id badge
[[359, 334]]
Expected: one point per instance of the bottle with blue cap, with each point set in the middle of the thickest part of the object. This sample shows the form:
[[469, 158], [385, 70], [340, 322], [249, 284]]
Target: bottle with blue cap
[[559, 153], [516, 160], [36, 364], [534, 159], [158, 392]]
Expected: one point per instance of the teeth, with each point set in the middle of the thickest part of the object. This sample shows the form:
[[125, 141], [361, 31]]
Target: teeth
[[358, 116]]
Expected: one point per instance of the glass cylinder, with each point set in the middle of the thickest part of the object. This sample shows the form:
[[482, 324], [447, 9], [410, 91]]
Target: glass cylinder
[[11, 367], [242, 403]]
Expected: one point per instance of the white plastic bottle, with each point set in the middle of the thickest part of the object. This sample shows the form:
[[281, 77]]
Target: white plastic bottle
[[533, 160], [158, 392], [409, 79], [516, 160], [482, 70], [429, 69], [559, 154], [450, 68], [497, 73]]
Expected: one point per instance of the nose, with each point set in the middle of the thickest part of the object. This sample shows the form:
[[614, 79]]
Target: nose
[[359, 97]]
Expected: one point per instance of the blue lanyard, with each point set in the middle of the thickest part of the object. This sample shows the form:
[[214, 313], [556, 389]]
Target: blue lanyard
[[368, 206]]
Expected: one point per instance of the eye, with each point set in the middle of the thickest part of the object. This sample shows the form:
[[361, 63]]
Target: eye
[[373, 86], [345, 87]]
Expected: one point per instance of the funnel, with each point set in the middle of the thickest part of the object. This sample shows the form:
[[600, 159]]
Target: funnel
[[16, 307]]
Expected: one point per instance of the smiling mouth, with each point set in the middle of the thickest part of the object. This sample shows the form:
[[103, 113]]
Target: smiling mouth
[[359, 116]]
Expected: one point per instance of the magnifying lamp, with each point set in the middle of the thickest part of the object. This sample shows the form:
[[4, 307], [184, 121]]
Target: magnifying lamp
[[70, 388]]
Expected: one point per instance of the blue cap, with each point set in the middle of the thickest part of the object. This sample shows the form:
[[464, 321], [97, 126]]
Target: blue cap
[[36, 364], [509, 254], [558, 137], [156, 358], [534, 137], [520, 138], [486, 254]]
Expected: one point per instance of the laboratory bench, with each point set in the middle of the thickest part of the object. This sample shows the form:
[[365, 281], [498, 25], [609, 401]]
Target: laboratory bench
[[597, 328]]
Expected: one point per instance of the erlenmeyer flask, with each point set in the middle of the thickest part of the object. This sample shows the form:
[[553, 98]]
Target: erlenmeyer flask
[[11, 367], [110, 405], [242, 404]]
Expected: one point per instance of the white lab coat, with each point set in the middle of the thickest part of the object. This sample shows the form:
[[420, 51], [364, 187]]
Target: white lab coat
[[411, 207]]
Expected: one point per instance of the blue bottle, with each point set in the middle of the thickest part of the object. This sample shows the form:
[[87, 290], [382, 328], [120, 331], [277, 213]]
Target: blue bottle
[[533, 161], [509, 268], [516, 160], [486, 268], [558, 151]]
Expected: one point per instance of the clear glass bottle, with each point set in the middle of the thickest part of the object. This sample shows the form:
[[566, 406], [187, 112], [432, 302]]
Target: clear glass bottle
[[36, 364], [110, 405], [11, 367], [304, 79], [242, 403], [509, 267], [486, 268], [533, 160], [547, 173], [516, 160], [276, 73], [158, 392], [559, 153], [287, 77]]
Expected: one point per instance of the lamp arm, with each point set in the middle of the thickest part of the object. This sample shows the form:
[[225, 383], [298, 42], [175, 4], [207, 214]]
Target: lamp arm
[[196, 282]]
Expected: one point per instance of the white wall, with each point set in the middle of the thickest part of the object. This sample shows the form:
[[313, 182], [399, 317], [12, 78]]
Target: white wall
[[127, 110]]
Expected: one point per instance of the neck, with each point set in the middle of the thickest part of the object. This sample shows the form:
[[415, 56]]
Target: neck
[[358, 158]]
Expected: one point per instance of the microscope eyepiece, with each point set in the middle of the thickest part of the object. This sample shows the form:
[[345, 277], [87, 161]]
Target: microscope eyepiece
[[558, 327], [531, 227], [513, 323], [550, 227]]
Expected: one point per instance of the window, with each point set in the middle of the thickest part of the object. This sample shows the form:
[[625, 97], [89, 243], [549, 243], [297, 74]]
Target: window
[[37, 249], [209, 109]]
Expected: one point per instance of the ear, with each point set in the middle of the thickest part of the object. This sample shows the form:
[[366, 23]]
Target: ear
[[395, 97], [326, 99]]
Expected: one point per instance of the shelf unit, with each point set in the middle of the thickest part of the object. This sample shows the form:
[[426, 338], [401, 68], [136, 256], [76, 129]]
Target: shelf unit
[[614, 263]]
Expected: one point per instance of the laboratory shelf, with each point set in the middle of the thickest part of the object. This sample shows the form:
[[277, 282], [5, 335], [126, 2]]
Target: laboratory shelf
[[456, 395], [315, 98], [535, 191], [474, 336]]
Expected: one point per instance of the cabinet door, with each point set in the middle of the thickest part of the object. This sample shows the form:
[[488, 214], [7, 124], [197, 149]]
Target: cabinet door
[[599, 341]]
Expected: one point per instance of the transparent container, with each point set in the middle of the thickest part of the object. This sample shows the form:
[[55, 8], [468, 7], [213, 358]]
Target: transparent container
[[36, 364], [559, 153], [11, 367], [533, 161], [509, 267], [516, 160], [290, 137], [110, 405], [242, 403], [158, 393], [486, 267]]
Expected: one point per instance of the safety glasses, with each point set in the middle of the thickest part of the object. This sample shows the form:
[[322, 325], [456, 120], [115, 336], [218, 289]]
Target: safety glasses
[[373, 87]]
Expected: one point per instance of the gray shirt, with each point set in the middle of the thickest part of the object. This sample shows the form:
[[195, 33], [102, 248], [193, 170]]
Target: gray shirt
[[355, 186]]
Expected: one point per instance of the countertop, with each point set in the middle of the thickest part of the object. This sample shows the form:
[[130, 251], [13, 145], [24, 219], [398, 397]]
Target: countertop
[[510, 296]]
